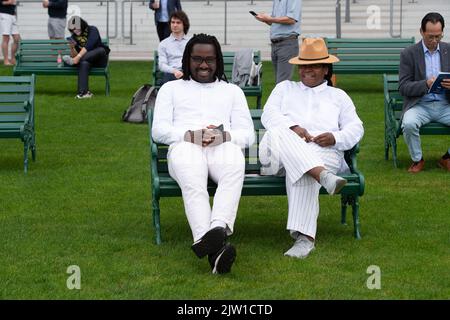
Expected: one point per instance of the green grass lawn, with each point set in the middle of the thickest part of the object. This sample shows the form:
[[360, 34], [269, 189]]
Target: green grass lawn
[[86, 202]]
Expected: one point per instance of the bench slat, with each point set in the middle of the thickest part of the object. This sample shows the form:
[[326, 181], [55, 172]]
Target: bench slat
[[362, 56], [12, 118], [14, 97], [15, 88], [12, 108]]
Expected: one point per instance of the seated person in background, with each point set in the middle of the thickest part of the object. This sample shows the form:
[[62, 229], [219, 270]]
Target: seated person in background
[[419, 66], [206, 121], [309, 126], [87, 51], [170, 50]]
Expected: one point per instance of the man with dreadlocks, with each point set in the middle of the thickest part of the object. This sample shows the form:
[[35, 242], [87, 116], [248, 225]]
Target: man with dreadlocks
[[87, 51], [205, 121]]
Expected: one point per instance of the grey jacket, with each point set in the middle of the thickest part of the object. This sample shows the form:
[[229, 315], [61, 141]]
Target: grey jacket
[[242, 65], [412, 74]]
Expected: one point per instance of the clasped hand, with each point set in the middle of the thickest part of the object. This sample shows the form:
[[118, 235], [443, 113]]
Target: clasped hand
[[211, 136], [324, 139]]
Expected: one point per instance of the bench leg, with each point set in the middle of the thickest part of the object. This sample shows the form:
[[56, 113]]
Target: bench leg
[[107, 88], [25, 155], [258, 102], [156, 219], [386, 145], [344, 202], [394, 152], [355, 212], [33, 148]]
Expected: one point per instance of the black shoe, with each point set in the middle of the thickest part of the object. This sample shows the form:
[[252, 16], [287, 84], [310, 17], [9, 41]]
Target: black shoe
[[210, 243], [223, 259]]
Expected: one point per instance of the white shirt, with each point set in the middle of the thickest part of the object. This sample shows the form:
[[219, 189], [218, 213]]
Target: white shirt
[[170, 53], [183, 105], [320, 109]]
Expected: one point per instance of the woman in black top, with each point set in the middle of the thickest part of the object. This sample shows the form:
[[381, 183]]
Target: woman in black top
[[87, 50]]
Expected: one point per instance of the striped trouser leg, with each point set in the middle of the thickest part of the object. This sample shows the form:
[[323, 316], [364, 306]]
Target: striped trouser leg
[[303, 195], [282, 148]]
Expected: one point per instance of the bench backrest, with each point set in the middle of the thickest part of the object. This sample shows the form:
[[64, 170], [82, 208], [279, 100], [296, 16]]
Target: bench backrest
[[16, 103], [42, 53], [228, 60], [368, 54]]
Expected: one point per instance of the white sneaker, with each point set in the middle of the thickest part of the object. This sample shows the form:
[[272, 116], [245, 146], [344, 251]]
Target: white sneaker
[[68, 60], [301, 248], [87, 95], [331, 182]]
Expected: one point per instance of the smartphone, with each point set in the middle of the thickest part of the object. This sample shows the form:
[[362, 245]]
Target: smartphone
[[253, 13], [70, 39]]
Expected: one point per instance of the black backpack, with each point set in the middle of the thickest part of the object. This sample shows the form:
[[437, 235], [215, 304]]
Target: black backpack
[[143, 100]]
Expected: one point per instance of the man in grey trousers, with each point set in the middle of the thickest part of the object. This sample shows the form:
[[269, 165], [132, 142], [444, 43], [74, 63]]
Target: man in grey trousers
[[419, 66], [284, 31]]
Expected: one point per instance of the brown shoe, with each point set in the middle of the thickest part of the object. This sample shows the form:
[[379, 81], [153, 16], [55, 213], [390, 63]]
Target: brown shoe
[[444, 164], [416, 167]]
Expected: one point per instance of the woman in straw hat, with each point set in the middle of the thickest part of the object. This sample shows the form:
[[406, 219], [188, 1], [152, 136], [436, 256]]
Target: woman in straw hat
[[309, 126]]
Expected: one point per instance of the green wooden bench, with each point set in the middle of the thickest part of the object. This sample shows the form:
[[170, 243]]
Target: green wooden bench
[[367, 56], [393, 105], [17, 112], [162, 185], [40, 57], [228, 59]]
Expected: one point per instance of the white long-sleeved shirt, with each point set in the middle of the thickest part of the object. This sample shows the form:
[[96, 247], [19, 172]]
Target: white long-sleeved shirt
[[170, 53], [183, 105], [320, 109]]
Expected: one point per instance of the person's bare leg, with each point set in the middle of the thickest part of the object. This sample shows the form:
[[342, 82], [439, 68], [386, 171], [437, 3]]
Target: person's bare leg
[[15, 45], [5, 44]]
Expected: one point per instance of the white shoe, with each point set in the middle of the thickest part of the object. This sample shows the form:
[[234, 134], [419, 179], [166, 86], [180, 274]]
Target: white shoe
[[331, 182], [301, 248], [87, 95]]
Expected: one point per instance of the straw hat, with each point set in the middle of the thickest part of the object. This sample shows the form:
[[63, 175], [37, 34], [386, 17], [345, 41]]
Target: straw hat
[[312, 51]]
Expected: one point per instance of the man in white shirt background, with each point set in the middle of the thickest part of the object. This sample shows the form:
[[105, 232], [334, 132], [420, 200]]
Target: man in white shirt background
[[206, 122], [309, 126], [170, 50]]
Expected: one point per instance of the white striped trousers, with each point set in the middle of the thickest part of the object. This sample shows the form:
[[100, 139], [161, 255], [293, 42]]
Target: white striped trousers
[[282, 148], [191, 165]]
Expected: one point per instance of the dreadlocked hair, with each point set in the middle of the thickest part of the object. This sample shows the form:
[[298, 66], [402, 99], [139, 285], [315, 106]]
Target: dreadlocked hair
[[202, 38]]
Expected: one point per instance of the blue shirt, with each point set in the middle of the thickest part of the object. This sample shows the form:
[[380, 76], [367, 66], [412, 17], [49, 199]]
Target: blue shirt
[[170, 53], [432, 67], [164, 12], [286, 8]]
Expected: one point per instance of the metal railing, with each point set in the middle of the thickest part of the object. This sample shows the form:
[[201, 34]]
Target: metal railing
[[391, 19]]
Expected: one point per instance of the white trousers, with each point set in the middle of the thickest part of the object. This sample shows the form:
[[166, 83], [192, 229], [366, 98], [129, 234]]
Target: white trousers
[[191, 165], [282, 148]]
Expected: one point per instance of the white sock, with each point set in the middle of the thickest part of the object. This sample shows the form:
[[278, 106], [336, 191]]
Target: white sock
[[331, 182]]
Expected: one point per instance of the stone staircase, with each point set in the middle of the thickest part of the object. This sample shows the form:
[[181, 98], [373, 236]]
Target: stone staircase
[[239, 29]]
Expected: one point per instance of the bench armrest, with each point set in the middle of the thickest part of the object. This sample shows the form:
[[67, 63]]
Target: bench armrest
[[153, 158], [350, 158]]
